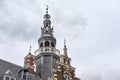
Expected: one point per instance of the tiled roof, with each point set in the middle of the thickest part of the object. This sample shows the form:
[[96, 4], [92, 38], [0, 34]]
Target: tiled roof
[[5, 66]]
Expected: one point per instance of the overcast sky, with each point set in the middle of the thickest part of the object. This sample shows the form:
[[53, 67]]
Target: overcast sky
[[91, 28]]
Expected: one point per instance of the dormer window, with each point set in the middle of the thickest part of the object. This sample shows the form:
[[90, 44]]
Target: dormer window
[[9, 75], [24, 73], [12, 78], [6, 77], [24, 76]]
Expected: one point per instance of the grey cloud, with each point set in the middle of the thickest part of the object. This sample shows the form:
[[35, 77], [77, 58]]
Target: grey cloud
[[68, 24], [18, 20], [70, 19], [92, 31], [101, 75]]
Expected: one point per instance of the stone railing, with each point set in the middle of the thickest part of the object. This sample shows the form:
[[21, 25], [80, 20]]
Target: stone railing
[[47, 50]]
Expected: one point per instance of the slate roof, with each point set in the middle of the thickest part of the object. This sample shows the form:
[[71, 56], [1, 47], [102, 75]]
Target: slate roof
[[5, 66]]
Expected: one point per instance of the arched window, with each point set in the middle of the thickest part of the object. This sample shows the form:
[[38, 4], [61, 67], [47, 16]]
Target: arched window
[[41, 45], [47, 44], [66, 77], [52, 44]]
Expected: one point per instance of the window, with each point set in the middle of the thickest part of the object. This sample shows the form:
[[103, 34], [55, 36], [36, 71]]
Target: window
[[6, 77], [24, 76], [12, 78], [52, 44], [47, 44], [66, 77], [41, 45]]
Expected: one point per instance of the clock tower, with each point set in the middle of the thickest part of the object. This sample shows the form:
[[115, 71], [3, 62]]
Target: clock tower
[[46, 55]]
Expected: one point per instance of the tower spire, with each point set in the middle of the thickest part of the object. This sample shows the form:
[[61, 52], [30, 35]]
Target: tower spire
[[47, 38], [47, 16], [47, 29]]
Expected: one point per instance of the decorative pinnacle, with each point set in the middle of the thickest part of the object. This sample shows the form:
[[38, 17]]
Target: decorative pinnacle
[[30, 49], [47, 9], [64, 41], [65, 49]]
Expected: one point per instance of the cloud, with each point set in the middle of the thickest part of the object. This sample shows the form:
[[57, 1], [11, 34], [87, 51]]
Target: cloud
[[91, 28], [18, 20]]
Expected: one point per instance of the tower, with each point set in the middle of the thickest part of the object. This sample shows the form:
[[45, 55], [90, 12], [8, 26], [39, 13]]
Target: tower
[[29, 62], [46, 55], [28, 69]]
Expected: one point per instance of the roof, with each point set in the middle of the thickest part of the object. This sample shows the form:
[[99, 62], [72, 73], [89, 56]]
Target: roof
[[13, 70], [7, 66]]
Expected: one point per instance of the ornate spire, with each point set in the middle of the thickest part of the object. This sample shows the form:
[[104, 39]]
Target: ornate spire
[[47, 24], [47, 38]]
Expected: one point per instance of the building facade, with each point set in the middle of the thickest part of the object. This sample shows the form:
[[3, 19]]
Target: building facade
[[47, 63]]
